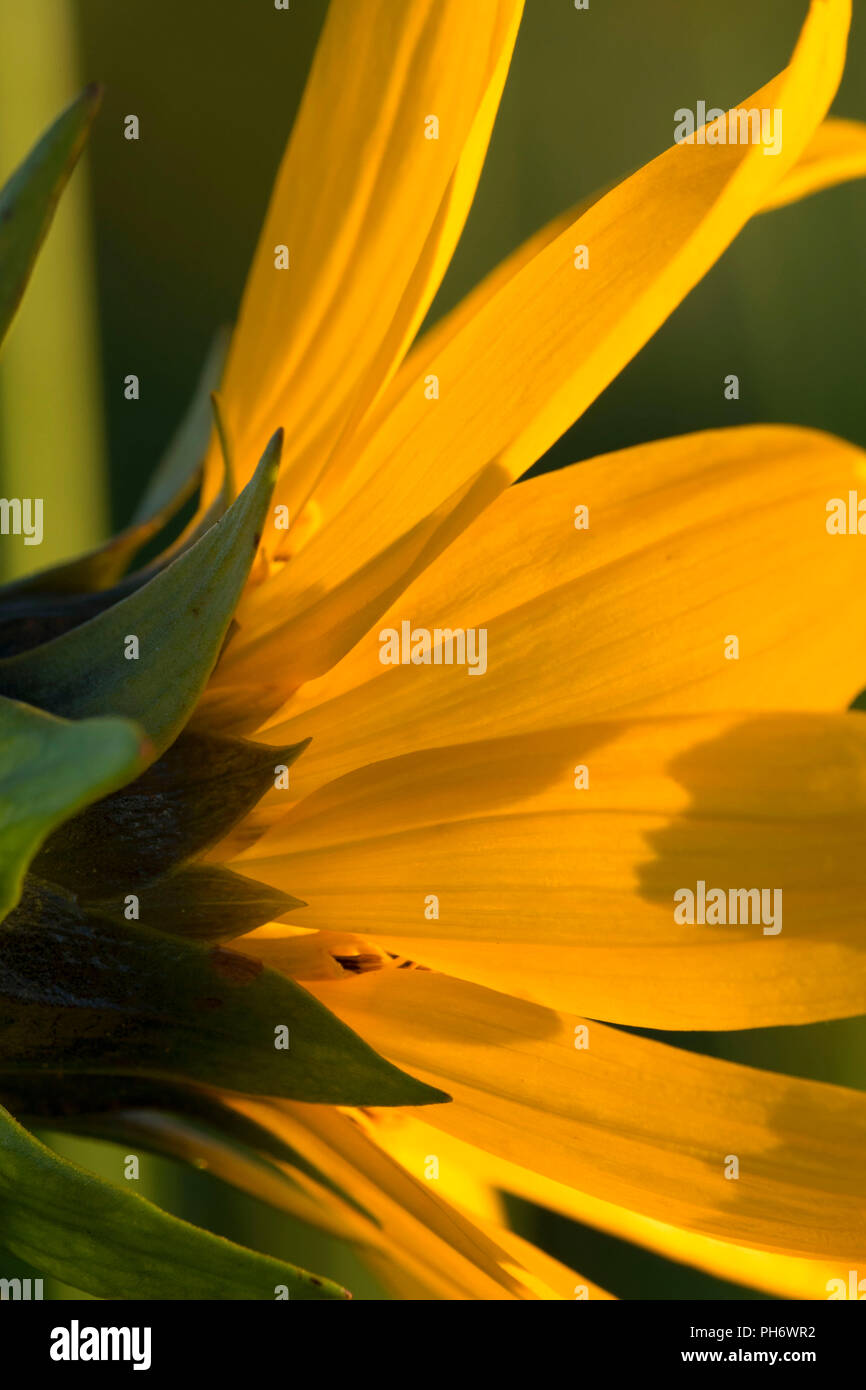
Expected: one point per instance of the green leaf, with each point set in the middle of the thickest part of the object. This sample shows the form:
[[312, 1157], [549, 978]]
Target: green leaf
[[84, 994], [49, 769], [185, 803], [28, 200], [179, 619], [112, 1243], [203, 902]]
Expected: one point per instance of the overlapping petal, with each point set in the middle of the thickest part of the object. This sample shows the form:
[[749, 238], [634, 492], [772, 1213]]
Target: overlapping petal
[[690, 541], [415, 1234], [566, 893], [626, 1119], [369, 209], [422, 468], [835, 154], [786, 1276]]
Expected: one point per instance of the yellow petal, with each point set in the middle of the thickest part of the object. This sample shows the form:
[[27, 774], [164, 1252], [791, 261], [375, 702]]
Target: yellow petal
[[786, 1276], [691, 541], [836, 153], [369, 208], [549, 1278], [486, 860], [461, 1177], [434, 1245], [528, 363], [626, 1119]]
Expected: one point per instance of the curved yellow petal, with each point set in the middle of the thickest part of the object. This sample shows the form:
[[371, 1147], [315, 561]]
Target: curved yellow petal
[[566, 889], [691, 541], [425, 1238], [549, 1278], [787, 1276], [525, 366], [631, 1121], [835, 154], [369, 202], [459, 1173]]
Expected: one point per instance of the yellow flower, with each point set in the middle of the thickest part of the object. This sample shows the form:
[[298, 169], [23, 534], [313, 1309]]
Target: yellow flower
[[490, 850], [439, 820]]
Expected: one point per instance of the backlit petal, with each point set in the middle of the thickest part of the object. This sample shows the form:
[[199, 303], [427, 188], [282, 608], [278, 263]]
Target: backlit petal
[[633, 1121], [691, 541], [521, 370], [567, 895], [835, 154], [369, 209]]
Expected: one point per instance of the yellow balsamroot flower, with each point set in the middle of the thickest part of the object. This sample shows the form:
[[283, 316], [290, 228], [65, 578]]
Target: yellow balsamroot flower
[[580, 751]]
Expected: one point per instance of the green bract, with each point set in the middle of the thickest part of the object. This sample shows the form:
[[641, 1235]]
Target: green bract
[[28, 200], [63, 1220], [50, 768], [177, 623], [120, 1014]]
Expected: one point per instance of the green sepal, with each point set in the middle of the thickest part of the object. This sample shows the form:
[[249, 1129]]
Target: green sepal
[[200, 788], [29, 617], [68, 1223], [120, 1110], [50, 768], [179, 620], [202, 902], [87, 995]]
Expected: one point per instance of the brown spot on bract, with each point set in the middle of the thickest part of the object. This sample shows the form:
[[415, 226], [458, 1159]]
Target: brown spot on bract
[[237, 969]]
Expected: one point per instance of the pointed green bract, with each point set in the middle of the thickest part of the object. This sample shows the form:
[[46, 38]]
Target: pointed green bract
[[178, 622], [189, 800], [83, 994], [49, 769], [28, 200], [202, 902], [67, 1223]]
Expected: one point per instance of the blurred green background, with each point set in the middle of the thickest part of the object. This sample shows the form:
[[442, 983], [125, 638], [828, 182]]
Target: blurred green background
[[149, 255]]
